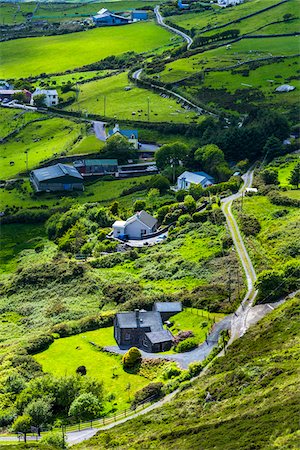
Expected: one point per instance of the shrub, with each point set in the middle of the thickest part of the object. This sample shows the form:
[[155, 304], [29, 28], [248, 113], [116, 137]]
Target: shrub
[[195, 368], [171, 372], [190, 203], [131, 358], [54, 439], [161, 213], [270, 285], [139, 205], [250, 226], [185, 218], [180, 195], [186, 345], [151, 391], [81, 370]]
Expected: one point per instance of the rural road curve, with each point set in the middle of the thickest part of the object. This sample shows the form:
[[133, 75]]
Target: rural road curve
[[160, 21]]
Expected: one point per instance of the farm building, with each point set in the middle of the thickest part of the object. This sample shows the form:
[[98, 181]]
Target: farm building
[[51, 96], [130, 135], [225, 3], [143, 329], [105, 17], [96, 166], [5, 85], [59, 177], [138, 226], [167, 309], [9, 93], [139, 15], [186, 179]]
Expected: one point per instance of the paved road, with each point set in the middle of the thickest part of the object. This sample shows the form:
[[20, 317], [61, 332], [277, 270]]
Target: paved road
[[99, 129], [160, 21], [184, 359]]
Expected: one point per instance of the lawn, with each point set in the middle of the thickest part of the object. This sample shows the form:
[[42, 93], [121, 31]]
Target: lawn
[[42, 140], [33, 56], [74, 77], [285, 169], [88, 144], [64, 356], [127, 104]]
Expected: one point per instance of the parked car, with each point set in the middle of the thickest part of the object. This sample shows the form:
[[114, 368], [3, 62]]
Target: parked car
[[161, 238]]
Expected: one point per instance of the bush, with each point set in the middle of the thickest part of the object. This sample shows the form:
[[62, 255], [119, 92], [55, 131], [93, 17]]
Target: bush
[[250, 226], [139, 205], [270, 285], [81, 370], [189, 203], [131, 358], [152, 391], [195, 368], [54, 439], [186, 345], [171, 372], [185, 218]]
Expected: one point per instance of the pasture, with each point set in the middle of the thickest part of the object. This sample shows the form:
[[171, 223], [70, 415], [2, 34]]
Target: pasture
[[42, 140], [123, 100], [52, 54], [11, 119], [64, 356], [88, 144]]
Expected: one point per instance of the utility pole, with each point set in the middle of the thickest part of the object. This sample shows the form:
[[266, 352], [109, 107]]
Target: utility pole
[[242, 203], [148, 100], [26, 153], [104, 105]]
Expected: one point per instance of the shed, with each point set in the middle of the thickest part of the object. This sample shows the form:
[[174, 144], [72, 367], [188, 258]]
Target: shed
[[96, 166], [139, 15], [59, 177]]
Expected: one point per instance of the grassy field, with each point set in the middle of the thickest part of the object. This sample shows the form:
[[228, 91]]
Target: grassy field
[[220, 16], [245, 50], [127, 104], [11, 119], [89, 144], [74, 77], [255, 391], [42, 140], [32, 56], [65, 355]]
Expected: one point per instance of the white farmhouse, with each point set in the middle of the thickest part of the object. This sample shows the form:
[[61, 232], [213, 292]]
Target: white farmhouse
[[136, 227], [51, 96], [225, 3], [186, 179]]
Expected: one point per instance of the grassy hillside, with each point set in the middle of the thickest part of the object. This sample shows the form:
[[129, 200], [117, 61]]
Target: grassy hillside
[[255, 398], [32, 56], [129, 104]]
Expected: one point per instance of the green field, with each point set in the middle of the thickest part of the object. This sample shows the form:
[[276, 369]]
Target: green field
[[221, 16], [245, 50], [32, 56], [42, 140], [10, 119], [89, 144], [127, 104]]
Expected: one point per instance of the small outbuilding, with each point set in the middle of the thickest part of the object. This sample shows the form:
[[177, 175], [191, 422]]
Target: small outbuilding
[[167, 309], [88, 167], [138, 226], [139, 15], [59, 177], [131, 135], [186, 179]]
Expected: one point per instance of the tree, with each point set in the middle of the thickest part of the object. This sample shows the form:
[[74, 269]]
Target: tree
[[86, 406], [190, 203], [139, 205], [40, 412], [270, 176], [54, 439], [270, 285], [119, 148], [295, 176], [23, 84], [22, 424], [170, 155], [81, 370], [132, 357], [159, 182], [153, 193], [114, 208], [20, 97], [39, 100], [212, 159], [272, 147]]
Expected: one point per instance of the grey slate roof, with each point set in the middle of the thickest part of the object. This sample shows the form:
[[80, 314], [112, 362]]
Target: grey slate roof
[[57, 171], [168, 306], [148, 319], [146, 218], [159, 336], [39, 91], [195, 177]]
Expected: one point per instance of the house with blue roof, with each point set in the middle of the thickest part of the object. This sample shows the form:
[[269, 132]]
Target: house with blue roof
[[186, 179], [105, 18], [130, 135]]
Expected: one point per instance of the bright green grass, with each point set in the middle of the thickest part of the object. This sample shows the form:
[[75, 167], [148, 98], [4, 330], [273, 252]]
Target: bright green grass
[[65, 355], [89, 144], [285, 169], [32, 56], [198, 248], [11, 119], [293, 194], [75, 77], [100, 191], [128, 104], [244, 50], [14, 239], [42, 140], [220, 16]]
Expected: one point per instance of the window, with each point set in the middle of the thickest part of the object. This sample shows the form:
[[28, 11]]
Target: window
[[143, 232], [127, 336]]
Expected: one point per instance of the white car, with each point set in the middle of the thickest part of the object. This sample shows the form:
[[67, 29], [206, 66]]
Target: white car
[[161, 238]]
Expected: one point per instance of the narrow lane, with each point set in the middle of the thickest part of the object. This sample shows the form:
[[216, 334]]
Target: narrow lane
[[160, 21]]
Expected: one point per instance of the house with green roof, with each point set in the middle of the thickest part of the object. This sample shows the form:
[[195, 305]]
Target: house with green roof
[[88, 167]]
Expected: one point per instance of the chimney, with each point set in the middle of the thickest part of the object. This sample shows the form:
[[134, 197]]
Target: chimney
[[137, 317]]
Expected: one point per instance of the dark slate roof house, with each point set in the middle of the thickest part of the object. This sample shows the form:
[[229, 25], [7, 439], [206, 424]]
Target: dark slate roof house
[[143, 329], [167, 309], [59, 177]]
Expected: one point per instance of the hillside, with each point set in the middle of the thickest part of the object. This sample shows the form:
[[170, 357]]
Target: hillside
[[255, 398]]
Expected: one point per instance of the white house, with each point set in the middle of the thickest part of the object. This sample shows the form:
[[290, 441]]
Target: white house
[[51, 98], [186, 179], [225, 3], [136, 227]]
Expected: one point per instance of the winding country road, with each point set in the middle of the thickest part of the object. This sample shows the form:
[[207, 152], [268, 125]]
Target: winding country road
[[160, 21]]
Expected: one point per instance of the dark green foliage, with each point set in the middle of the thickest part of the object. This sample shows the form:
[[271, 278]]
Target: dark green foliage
[[152, 392], [186, 345], [249, 225], [159, 182], [131, 358], [282, 200], [139, 205], [81, 370], [87, 323], [170, 154], [270, 176], [38, 344], [190, 204], [119, 148], [295, 176], [85, 407]]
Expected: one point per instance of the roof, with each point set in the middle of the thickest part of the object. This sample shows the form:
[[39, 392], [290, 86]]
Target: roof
[[145, 218], [97, 162], [45, 92], [9, 91], [126, 133], [168, 306], [148, 319], [196, 177], [119, 223], [106, 13], [159, 336], [140, 11], [285, 88], [56, 171]]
